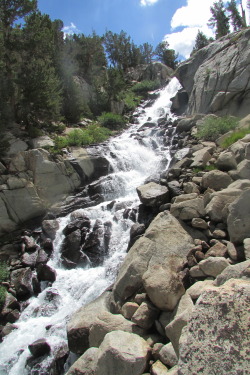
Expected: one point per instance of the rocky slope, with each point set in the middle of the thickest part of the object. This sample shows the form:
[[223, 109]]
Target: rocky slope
[[180, 304], [216, 77]]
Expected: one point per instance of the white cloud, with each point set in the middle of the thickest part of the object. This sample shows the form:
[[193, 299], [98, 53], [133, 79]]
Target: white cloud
[[190, 18], [183, 41], [144, 3], [70, 30]]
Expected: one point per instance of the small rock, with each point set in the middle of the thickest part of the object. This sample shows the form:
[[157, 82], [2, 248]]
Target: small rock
[[213, 266], [128, 309], [246, 244], [145, 315], [199, 223], [158, 368], [39, 347], [168, 356], [197, 288]]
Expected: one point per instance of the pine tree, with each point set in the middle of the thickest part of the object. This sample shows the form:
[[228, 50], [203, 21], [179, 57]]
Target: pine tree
[[237, 20], [10, 35], [200, 41], [165, 55], [219, 19]]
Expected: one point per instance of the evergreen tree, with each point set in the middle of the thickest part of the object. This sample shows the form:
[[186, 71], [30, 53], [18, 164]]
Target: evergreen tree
[[165, 55], [219, 19], [10, 12], [238, 22], [147, 53], [39, 81], [200, 41]]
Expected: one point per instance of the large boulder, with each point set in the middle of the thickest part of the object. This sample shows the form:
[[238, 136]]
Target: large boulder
[[215, 76], [86, 364], [106, 322], [160, 252], [81, 321], [216, 180], [238, 221], [153, 194], [189, 209], [217, 335], [122, 353]]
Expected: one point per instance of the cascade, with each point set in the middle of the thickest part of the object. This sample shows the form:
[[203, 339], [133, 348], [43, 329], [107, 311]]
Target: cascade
[[134, 155]]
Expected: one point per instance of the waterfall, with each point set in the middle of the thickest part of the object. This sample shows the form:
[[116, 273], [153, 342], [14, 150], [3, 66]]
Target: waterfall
[[134, 155]]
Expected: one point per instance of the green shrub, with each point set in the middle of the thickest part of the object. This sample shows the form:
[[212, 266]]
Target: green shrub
[[2, 296], [131, 101], [112, 121], [4, 273], [34, 132], [212, 128], [82, 137], [145, 86], [234, 137]]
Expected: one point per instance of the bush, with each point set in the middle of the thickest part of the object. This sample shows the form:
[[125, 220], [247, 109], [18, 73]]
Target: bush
[[131, 101], [4, 273], [212, 128], [112, 121], [145, 86], [82, 137], [234, 137], [2, 295]]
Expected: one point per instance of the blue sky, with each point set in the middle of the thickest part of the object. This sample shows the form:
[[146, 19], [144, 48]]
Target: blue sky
[[152, 21]]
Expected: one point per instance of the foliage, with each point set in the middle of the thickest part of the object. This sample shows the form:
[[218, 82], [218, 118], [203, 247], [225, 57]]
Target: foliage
[[145, 86], [82, 137], [112, 121], [235, 136], [210, 167], [4, 272], [201, 41], [237, 21], [166, 56], [212, 127], [219, 19], [2, 296], [131, 100]]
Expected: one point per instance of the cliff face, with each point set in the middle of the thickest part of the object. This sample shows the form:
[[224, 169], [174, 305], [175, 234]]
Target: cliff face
[[217, 77]]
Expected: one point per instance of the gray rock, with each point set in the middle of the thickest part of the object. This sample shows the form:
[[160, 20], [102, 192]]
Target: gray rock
[[179, 319], [190, 187], [238, 220], [201, 158], [232, 272], [43, 141], [128, 309], [198, 288], [39, 348], [163, 288], [82, 320], [106, 322], [86, 364], [199, 223], [243, 169], [145, 315], [217, 208], [189, 209], [195, 272], [50, 228], [185, 197], [226, 161], [218, 324], [164, 246], [158, 368], [22, 281], [246, 244], [213, 266], [168, 356], [122, 353], [215, 84], [153, 194], [216, 180]]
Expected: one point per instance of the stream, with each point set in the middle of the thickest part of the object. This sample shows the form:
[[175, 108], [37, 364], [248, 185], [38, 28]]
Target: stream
[[134, 156]]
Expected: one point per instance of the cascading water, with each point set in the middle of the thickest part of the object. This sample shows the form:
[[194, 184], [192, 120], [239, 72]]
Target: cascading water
[[133, 159]]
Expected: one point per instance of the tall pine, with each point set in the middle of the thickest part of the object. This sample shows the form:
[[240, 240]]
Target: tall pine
[[219, 19]]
